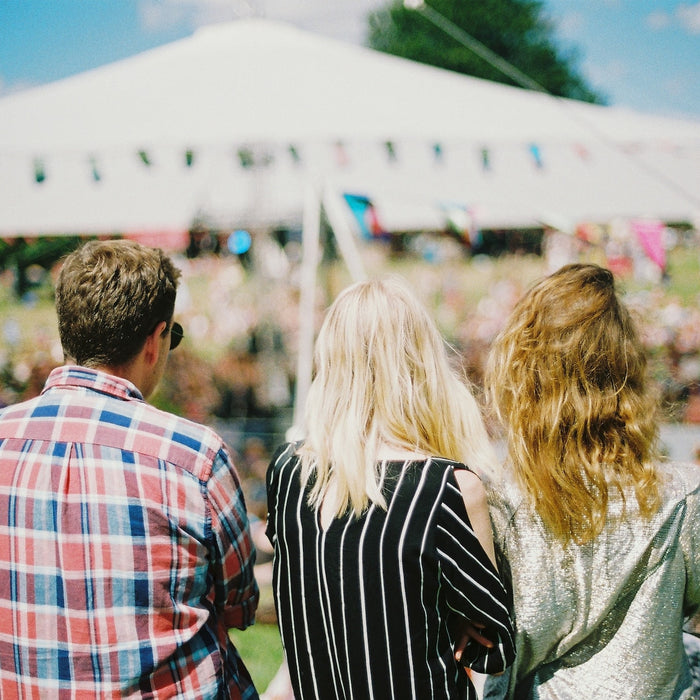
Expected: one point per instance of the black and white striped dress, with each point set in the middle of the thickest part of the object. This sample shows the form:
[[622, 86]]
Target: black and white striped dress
[[367, 607]]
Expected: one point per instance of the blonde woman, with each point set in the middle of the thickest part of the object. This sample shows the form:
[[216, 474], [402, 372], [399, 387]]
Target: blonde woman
[[383, 555], [601, 535]]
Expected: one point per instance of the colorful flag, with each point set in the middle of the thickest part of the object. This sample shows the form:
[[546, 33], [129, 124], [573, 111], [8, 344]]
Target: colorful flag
[[650, 234], [365, 214]]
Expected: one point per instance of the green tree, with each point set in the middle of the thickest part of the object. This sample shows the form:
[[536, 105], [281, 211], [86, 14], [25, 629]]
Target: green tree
[[517, 31]]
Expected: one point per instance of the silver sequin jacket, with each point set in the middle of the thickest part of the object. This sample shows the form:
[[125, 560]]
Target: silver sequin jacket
[[602, 620]]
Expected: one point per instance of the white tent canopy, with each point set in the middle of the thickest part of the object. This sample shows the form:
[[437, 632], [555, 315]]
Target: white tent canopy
[[265, 110]]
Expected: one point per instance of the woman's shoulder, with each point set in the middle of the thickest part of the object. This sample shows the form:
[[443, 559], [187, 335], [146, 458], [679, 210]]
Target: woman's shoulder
[[473, 495], [283, 456], [471, 486], [680, 483], [468, 482], [682, 476]]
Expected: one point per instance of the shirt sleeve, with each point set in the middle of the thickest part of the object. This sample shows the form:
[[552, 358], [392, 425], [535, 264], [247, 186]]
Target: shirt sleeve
[[233, 556], [473, 587], [690, 541]]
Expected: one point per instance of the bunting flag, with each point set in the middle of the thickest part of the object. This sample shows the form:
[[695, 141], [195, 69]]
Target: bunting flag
[[39, 171], [437, 152], [294, 153], [582, 151], [485, 159], [189, 157], [341, 154], [245, 158], [536, 155], [143, 155], [650, 234], [458, 220], [390, 150], [365, 214], [95, 170]]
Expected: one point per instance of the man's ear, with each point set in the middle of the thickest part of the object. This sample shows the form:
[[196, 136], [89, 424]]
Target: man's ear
[[154, 344]]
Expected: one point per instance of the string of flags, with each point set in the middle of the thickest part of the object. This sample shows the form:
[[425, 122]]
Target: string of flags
[[251, 157]]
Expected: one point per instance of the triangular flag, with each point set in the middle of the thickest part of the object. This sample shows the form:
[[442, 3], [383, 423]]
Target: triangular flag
[[365, 214], [650, 234]]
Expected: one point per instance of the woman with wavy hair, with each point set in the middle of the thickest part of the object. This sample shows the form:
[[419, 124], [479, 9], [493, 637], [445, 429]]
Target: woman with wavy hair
[[601, 535], [383, 554]]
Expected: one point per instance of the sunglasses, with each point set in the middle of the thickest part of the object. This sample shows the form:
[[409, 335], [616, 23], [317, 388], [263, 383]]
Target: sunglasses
[[176, 335]]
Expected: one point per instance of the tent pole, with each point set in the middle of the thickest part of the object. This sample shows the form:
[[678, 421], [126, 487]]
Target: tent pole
[[311, 234], [343, 235]]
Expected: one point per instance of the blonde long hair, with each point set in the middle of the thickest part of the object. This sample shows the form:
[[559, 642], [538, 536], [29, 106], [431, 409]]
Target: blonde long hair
[[383, 375], [567, 378]]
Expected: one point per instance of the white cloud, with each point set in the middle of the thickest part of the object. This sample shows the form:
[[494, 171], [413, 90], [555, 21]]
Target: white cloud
[[658, 20], [571, 24], [689, 17], [608, 75], [158, 15]]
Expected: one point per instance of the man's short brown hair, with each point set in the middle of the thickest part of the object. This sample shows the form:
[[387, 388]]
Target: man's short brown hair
[[110, 296]]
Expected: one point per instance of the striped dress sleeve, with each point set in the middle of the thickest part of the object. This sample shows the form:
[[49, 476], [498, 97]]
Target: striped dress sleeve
[[473, 588], [280, 456]]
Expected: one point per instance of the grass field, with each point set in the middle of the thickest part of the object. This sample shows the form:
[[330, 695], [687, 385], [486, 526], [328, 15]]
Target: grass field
[[261, 650]]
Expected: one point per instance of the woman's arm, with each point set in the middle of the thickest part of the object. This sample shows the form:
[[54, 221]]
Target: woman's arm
[[474, 495], [473, 587]]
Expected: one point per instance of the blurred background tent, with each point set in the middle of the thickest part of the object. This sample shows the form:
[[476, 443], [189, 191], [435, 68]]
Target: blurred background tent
[[230, 128]]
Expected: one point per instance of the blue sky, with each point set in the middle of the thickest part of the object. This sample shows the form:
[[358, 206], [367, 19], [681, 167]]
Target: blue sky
[[642, 54]]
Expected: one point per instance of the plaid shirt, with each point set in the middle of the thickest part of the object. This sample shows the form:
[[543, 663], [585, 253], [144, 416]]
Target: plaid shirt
[[125, 553]]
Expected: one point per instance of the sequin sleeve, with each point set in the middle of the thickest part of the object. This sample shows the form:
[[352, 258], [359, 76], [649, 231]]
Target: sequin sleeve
[[690, 541]]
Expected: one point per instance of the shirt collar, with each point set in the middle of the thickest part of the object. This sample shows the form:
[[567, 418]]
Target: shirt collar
[[94, 379]]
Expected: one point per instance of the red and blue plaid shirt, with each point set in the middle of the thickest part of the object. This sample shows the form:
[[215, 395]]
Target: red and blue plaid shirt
[[125, 552]]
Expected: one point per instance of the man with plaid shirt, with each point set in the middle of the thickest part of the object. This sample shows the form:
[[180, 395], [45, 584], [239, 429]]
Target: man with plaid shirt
[[125, 550]]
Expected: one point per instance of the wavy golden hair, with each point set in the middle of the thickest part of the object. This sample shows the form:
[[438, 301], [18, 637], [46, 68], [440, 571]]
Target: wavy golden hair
[[567, 377], [383, 375]]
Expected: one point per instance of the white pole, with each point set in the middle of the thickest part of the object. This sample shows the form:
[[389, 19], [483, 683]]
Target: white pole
[[311, 234], [343, 234]]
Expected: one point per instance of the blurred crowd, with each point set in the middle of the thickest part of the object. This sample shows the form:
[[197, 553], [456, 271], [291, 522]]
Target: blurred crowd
[[236, 369]]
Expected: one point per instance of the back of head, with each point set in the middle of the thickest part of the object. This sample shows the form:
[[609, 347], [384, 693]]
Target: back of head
[[382, 375], [567, 376], [110, 296]]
